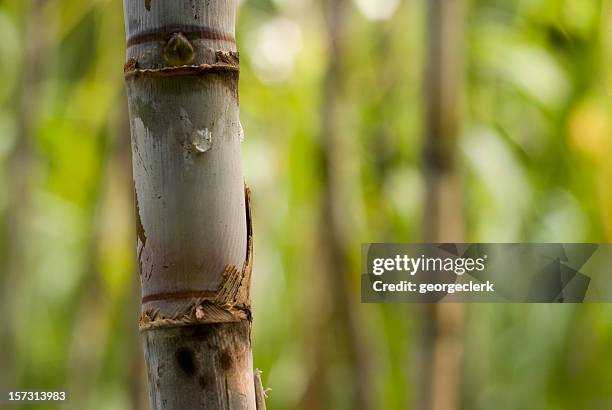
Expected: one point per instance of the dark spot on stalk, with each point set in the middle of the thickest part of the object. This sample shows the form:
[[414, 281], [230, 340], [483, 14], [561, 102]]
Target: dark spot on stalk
[[148, 5], [145, 112], [186, 361], [225, 360]]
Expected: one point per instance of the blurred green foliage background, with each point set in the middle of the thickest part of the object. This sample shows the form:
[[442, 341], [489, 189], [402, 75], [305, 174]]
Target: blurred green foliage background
[[534, 158]]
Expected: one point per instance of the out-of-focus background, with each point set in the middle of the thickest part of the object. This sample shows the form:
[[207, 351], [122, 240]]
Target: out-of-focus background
[[333, 97]]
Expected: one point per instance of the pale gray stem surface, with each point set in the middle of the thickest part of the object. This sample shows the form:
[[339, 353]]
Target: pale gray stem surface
[[193, 241], [200, 367]]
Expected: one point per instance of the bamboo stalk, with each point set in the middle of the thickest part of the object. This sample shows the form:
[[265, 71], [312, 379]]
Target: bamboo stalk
[[441, 345], [14, 248], [194, 240], [343, 316]]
